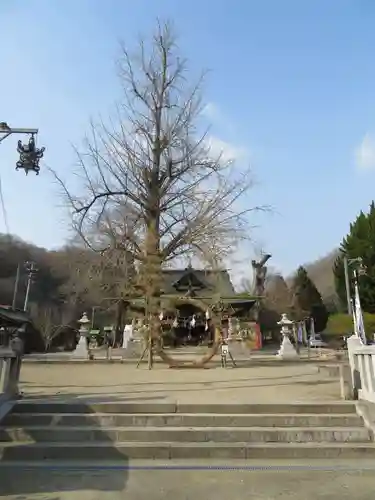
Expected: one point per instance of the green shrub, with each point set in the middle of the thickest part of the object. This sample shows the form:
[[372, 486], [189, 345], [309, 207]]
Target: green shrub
[[342, 324]]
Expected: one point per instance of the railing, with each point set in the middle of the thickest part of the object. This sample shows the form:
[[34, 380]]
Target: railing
[[362, 366]]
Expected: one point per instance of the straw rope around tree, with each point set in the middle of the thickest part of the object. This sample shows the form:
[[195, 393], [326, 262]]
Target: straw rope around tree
[[203, 360]]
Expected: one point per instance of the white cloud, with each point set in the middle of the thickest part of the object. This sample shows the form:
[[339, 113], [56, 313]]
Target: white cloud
[[228, 151], [211, 111], [365, 153], [219, 147]]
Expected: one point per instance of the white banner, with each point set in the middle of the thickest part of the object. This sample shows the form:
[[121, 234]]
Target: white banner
[[358, 317], [312, 329], [128, 332]]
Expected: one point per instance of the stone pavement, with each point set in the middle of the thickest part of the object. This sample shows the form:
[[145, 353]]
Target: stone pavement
[[263, 382], [197, 481], [186, 480]]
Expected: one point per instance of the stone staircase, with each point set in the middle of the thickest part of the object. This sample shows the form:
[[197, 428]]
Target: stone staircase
[[115, 432]]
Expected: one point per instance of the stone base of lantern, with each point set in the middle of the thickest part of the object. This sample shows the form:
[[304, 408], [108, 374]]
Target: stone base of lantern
[[287, 351], [81, 351]]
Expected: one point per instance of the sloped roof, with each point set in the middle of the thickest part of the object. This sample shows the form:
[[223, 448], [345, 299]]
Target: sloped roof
[[12, 317], [216, 282]]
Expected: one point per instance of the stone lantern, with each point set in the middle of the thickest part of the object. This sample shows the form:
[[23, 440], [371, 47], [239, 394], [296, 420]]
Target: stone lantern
[[82, 351], [286, 351]]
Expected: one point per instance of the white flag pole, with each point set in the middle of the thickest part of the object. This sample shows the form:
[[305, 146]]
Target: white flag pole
[[355, 328], [312, 329], [360, 326]]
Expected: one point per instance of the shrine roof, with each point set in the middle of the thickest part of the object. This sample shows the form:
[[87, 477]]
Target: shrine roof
[[11, 317], [209, 282], [168, 299]]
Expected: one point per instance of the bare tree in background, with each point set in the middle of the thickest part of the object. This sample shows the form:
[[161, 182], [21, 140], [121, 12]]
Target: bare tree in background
[[278, 296], [148, 184]]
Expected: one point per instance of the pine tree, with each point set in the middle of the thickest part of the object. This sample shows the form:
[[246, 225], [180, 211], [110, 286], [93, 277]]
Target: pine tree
[[307, 300], [360, 242]]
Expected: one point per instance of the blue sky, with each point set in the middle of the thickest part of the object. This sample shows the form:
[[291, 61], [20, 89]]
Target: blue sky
[[291, 89]]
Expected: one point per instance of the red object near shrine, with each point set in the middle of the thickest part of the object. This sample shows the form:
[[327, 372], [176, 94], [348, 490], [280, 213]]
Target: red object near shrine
[[258, 336]]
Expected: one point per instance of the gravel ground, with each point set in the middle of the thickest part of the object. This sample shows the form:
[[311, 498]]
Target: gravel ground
[[259, 383]]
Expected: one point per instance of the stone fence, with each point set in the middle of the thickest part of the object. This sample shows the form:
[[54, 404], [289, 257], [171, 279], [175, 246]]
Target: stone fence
[[10, 364], [362, 368], [11, 352]]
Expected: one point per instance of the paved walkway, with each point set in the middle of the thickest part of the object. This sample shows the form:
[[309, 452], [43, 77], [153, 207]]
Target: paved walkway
[[193, 483], [264, 382]]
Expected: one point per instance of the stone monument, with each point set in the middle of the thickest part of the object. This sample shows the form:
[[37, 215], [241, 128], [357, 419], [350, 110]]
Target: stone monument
[[82, 351], [353, 343], [286, 351], [127, 335], [134, 345]]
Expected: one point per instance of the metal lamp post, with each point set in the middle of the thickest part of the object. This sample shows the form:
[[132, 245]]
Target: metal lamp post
[[30, 155], [361, 270], [31, 272]]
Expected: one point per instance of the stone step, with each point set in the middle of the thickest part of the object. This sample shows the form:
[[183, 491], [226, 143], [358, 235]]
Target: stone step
[[155, 407], [183, 419], [185, 434], [122, 452]]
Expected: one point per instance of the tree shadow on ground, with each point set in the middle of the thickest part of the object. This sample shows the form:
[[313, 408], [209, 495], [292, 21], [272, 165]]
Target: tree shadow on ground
[[45, 474], [49, 483]]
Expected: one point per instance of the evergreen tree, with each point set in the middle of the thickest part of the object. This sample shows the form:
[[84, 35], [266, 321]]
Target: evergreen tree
[[360, 242], [307, 300]]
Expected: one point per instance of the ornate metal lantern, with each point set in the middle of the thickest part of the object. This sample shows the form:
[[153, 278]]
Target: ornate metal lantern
[[30, 156]]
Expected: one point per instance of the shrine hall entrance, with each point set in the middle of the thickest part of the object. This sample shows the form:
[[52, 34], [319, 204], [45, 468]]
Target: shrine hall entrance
[[190, 325]]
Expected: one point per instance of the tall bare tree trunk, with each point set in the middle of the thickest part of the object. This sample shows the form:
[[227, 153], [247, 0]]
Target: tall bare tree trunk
[[151, 185], [152, 283], [122, 306]]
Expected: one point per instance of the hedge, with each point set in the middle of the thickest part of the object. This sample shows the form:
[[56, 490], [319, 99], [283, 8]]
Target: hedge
[[342, 324]]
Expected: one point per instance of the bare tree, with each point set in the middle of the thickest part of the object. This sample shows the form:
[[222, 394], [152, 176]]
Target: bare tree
[[149, 183], [47, 321], [278, 296]]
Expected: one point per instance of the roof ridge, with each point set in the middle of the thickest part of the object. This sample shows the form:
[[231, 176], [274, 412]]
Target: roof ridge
[[195, 270]]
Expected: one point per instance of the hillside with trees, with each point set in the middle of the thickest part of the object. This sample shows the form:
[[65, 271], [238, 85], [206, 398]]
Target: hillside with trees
[[68, 282], [298, 297]]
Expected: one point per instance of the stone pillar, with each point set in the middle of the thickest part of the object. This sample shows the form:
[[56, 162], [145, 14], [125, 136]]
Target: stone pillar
[[286, 351], [17, 345], [353, 343], [81, 351]]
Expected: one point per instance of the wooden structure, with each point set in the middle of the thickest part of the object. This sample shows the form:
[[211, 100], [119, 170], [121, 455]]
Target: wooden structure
[[12, 320], [190, 297]]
